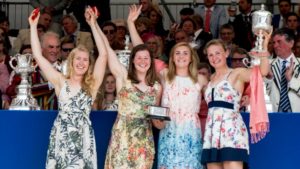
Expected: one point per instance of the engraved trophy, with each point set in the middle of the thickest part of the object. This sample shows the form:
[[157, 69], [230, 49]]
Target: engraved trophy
[[160, 113], [24, 99], [124, 55], [261, 21]]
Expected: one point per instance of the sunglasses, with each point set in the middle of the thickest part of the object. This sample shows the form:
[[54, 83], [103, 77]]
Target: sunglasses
[[67, 49], [237, 59], [108, 31]]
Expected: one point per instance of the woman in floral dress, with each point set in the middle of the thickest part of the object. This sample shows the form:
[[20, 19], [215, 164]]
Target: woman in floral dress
[[226, 138], [180, 139], [72, 141], [132, 144], [180, 144]]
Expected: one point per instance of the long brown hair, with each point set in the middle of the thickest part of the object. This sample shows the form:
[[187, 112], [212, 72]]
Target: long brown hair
[[193, 72], [102, 93], [151, 76], [88, 79]]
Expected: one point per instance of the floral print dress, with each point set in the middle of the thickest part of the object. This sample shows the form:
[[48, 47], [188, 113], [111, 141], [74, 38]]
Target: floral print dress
[[226, 136], [72, 141], [132, 143], [180, 144]]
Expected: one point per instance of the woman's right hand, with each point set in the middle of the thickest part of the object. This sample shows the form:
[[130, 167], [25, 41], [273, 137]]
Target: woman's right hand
[[91, 15], [34, 17]]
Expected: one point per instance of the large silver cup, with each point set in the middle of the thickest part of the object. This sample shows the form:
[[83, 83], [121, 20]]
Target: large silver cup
[[24, 99], [261, 21]]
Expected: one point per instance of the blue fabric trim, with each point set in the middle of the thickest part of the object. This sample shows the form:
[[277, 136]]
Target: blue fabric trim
[[225, 154], [221, 104]]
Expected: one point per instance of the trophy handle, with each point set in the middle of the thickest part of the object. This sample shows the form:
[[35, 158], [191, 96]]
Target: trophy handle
[[12, 58], [246, 62]]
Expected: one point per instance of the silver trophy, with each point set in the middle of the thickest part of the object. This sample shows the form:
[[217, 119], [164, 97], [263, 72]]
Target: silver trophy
[[156, 112], [261, 21], [24, 99], [124, 55]]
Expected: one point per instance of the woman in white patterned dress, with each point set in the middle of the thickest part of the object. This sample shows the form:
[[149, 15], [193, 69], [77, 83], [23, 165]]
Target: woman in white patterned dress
[[180, 140], [72, 141], [226, 138]]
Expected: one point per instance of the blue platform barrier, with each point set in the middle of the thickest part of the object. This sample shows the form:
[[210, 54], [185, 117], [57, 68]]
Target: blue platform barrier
[[24, 138]]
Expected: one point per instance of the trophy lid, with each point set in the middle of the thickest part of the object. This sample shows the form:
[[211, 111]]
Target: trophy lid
[[262, 11], [124, 55], [261, 20]]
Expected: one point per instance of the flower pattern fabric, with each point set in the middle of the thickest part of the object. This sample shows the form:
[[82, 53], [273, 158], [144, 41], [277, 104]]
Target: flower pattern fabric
[[180, 143], [72, 141], [225, 128], [132, 143]]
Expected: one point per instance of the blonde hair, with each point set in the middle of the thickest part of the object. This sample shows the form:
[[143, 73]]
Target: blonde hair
[[217, 42], [88, 79], [192, 69]]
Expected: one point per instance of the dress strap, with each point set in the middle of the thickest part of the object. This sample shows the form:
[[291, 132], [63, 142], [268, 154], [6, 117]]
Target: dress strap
[[228, 74]]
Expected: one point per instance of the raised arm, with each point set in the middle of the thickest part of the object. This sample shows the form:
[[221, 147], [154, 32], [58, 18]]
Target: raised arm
[[116, 68], [134, 13], [100, 64], [49, 71]]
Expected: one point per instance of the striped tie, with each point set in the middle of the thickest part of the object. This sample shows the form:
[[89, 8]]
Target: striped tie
[[284, 103]]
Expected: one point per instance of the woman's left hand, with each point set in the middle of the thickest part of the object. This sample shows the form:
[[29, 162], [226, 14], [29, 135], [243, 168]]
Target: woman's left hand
[[160, 124]]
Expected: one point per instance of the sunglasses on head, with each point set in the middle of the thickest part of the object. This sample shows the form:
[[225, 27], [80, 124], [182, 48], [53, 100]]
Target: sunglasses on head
[[108, 31], [67, 49]]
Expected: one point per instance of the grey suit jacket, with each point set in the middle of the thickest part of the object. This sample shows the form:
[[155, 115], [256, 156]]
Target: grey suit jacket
[[273, 85], [218, 18]]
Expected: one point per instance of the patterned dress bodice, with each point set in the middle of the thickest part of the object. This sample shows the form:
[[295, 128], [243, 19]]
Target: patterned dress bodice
[[75, 101], [181, 96], [223, 91], [133, 102]]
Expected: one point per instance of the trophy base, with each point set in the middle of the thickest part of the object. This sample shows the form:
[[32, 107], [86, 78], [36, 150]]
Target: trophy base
[[24, 104], [166, 118], [24, 108]]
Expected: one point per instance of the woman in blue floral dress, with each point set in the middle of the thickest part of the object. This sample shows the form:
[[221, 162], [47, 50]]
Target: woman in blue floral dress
[[180, 141], [226, 138], [72, 141]]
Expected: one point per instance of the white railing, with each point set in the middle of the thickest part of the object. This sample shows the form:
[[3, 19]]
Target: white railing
[[18, 12]]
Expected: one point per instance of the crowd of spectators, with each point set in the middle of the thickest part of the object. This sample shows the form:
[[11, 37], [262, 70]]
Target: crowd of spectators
[[60, 33]]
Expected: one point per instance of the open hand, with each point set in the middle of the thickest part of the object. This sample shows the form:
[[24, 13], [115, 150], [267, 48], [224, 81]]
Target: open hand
[[134, 13], [289, 70]]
